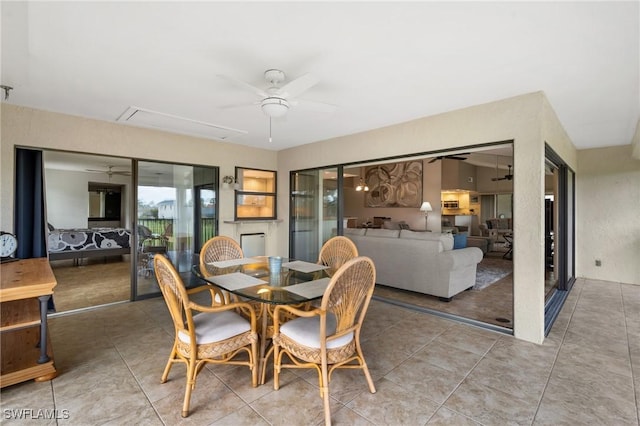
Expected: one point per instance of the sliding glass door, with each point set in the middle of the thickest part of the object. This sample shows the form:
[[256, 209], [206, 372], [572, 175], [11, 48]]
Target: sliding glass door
[[176, 214], [559, 235], [316, 210]]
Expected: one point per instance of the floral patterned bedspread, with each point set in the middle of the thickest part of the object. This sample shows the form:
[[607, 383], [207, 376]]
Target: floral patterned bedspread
[[61, 240]]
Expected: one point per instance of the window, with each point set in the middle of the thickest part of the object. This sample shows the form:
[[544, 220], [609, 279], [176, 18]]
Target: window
[[256, 196]]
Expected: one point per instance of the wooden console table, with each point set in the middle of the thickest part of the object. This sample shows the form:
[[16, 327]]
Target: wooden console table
[[25, 289]]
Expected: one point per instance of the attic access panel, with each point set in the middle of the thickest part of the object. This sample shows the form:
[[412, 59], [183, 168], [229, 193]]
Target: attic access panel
[[142, 117]]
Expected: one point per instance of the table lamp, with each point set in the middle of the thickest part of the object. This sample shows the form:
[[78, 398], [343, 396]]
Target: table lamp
[[426, 208]]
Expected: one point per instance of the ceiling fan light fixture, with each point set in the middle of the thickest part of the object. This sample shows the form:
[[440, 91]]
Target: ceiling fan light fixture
[[274, 106]]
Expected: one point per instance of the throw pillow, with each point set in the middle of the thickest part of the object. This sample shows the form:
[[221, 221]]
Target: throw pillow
[[459, 241]]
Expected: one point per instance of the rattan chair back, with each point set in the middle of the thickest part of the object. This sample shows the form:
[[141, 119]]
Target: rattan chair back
[[176, 297], [346, 300], [223, 334], [336, 251], [217, 249], [348, 294]]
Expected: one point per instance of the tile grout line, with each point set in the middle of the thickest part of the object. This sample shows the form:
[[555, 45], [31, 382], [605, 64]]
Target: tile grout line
[[633, 381], [555, 359], [131, 371], [462, 381]]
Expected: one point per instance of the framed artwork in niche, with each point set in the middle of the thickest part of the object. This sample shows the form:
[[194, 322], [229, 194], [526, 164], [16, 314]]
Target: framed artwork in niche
[[394, 185]]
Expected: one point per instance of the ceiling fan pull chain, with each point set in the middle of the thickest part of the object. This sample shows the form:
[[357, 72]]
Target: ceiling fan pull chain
[[270, 140]]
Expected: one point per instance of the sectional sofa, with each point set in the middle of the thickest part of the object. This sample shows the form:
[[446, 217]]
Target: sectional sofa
[[424, 262]]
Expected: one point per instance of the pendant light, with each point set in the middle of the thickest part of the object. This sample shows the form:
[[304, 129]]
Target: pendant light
[[362, 186]]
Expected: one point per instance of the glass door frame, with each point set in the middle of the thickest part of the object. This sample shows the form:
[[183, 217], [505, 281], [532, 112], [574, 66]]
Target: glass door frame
[[316, 201], [194, 241], [564, 238]]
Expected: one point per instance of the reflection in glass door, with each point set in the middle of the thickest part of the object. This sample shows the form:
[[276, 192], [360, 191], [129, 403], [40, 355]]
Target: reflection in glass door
[[315, 211], [559, 235], [304, 215], [176, 213]]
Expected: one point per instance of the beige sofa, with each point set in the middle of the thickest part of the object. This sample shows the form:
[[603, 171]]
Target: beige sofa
[[423, 262]]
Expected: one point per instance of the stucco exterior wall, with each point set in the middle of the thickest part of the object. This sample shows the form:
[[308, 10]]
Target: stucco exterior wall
[[26, 127], [518, 119], [608, 202]]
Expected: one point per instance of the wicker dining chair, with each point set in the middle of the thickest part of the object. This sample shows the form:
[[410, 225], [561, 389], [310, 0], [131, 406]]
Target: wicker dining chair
[[336, 251], [328, 337], [214, 335], [217, 249]]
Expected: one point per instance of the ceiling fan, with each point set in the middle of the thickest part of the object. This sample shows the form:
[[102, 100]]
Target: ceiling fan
[[110, 172], [508, 176], [451, 157], [276, 99]]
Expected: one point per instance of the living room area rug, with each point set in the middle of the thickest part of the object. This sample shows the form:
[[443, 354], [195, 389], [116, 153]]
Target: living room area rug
[[491, 270]]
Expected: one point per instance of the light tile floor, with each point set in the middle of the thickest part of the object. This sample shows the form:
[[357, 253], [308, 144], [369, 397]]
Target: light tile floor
[[427, 370]]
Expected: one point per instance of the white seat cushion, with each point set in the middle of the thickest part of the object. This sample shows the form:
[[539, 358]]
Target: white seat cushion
[[306, 331], [216, 327]]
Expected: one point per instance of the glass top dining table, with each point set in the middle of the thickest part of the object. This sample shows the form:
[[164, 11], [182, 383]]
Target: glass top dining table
[[251, 278]]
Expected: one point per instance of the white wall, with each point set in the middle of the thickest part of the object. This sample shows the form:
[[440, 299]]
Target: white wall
[[608, 204], [67, 194], [67, 198]]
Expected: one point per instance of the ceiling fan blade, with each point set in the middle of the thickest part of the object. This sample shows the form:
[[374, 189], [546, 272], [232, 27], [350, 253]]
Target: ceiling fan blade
[[297, 86], [453, 157], [244, 85], [313, 105], [110, 171], [434, 159]]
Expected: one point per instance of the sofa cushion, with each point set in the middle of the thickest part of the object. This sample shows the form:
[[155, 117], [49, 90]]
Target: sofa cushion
[[393, 224], [445, 238], [417, 261], [383, 233], [459, 241], [355, 231]]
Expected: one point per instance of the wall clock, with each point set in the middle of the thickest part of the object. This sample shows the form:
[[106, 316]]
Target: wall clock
[[8, 246]]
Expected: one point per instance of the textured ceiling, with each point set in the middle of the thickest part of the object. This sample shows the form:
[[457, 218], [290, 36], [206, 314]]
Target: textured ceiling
[[379, 63]]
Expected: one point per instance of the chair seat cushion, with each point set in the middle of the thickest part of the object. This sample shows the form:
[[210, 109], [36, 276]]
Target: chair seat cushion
[[216, 327], [306, 331]]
